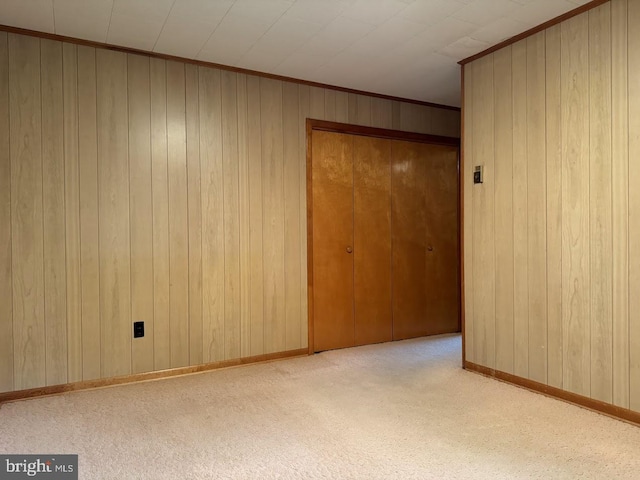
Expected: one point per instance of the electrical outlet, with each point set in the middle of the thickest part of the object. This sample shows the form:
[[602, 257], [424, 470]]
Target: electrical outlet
[[138, 329]]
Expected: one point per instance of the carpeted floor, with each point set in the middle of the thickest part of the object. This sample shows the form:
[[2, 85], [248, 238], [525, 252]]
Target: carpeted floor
[[401, 410]]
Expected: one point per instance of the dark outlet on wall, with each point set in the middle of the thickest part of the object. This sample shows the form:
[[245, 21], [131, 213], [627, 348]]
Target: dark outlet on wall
[[138, 329]]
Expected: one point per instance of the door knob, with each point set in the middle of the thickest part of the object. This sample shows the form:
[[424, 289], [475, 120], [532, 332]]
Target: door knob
[[349, 249], [430, 248]]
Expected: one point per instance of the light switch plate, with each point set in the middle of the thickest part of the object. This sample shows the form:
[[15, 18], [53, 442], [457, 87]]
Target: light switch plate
[[477, 174]]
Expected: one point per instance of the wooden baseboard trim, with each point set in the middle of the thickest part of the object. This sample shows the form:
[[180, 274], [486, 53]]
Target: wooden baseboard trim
[[141, 377], [554, 392]]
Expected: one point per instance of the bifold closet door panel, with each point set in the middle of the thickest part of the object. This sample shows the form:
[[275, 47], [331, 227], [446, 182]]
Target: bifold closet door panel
[[441, 189], [409, 239], [332, 197], [372, 239]]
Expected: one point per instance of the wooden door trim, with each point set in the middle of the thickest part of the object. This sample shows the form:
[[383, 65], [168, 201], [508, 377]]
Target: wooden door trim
[[327, 126]]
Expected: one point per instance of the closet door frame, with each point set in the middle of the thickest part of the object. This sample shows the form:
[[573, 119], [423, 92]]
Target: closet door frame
[[327, 126]]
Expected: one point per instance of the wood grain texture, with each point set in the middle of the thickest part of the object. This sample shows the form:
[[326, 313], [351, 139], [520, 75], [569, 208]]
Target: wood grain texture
[[26, 212], [316, 103], [89, 213], [342, 107], [6, 288], [372, 240], [364, 110], [329, 103], [634, 205], [504, 211], [160, 215], [409, 240], [141, 210], [194, 203], [468, 165], [178, 216], [554, 208], [382, 113], [153, 189], [212, 216], [442, 258], [273, 214], [600, 223], [292, 265], [232, 325], [483, 213], [113, 175], [536, 205], [575, 204], [244, 200], [520, 212], [70, 325], [254, 150], [332, 180], [53, 201], [620, 201], [303, 114]]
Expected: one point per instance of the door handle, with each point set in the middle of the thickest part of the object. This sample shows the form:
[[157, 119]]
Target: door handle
[[349, 249], [430, 248]]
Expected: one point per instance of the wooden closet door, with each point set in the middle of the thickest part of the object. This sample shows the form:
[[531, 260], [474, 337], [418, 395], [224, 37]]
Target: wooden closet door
[[424, 239], [332, 224], [409, 239], [372, 239], [441, 188]]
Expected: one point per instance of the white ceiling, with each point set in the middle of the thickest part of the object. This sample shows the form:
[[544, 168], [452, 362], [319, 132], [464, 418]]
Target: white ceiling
[[404, 48]]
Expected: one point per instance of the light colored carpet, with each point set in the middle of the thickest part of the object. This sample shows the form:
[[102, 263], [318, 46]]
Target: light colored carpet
[[401, 410]]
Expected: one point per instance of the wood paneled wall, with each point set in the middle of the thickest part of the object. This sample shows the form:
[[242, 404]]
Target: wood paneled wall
[[552, 236], [134, 188]]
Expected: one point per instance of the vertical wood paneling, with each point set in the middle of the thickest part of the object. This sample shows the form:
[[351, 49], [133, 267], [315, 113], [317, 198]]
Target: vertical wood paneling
[[342, 106], [600, 203], [231, 215], [536, 204], [71, 327], [364, 110], [634, 204], [352, 106], [244, 217], [273, 210], [469, 163], [53, 202], [160, 217], [445, 122], [212, 216], [89, 222], [329, 102], [140, 210], [316, 99], [575, 204], [520, 211], [554, 208], [303, 113], [292, 211], [254, 150], [483, 212], [504, 209], [26, 212], [113, 175], [620, 201], [6, 288], [382, 113], [194, 203], [178, 215], [142, 189]]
